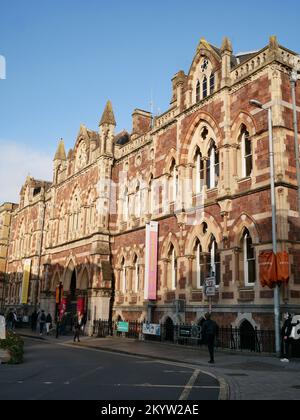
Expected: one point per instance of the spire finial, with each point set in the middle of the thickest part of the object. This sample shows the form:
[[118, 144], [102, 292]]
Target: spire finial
[[60, 152], [108, 115], [226, 45]]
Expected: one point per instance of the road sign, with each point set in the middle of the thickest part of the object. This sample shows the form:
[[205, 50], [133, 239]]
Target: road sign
[[210, 291], [210, 286], [210, 282]]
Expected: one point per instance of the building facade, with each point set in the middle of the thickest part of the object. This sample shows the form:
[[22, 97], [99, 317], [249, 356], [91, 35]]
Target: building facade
[[5, 221], [201, 170]]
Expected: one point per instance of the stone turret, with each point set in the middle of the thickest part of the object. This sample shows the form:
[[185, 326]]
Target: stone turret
[[60, 159], [60, 152], [226, 52], [107, 127]]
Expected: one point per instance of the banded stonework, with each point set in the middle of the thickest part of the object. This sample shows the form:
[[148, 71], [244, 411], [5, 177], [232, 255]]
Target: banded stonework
[[201, 169]]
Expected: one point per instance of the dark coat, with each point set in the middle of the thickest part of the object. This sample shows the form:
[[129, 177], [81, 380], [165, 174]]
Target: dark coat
[[210, 328], [287, 328]]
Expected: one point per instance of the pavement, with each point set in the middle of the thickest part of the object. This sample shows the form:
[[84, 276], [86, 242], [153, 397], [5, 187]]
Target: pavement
[[242, 376]]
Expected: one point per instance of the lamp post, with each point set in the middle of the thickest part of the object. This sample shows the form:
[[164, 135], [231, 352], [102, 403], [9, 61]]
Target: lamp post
[[258, 104], [293, 79]]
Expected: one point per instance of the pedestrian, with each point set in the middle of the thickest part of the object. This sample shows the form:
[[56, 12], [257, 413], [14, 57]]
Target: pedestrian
[[84, 320], [285, 337], [210, 331], [2, 327], [77, 327], [33, 320], [10, 320], [42, 322], [15, 319], [57, 327], [48, 323]]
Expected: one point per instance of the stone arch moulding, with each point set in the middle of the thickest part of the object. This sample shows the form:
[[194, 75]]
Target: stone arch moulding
[[55, 280], [170, 157], [246, 119], [200, 118], [207, 51], [213, 228], [242, 222], [170, 239], [121, 254], [69, 268], [80, 285], [247, 316], [117, 315], [175, 318], [135, 251]]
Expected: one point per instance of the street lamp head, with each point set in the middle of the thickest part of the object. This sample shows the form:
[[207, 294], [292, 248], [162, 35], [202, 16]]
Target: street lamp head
[[256, 103], [295, 76]]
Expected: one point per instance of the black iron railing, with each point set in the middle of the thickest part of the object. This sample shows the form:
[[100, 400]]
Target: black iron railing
[[236, 339]]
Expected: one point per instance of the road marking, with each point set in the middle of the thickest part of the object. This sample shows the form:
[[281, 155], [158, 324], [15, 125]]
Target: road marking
[[190, 387], [47, 383], [176, 371], [187, 389]]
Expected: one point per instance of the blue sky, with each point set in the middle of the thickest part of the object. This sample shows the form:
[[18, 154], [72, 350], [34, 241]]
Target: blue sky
[[65, 58]]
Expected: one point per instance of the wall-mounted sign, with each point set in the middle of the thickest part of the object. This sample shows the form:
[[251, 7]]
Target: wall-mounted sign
[[151, 329], [123, 327]]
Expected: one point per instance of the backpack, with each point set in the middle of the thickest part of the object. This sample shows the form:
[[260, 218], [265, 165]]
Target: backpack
[[43, 318]]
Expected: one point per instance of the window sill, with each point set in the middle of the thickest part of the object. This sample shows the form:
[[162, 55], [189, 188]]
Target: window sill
[[244, 179], [212, 190]]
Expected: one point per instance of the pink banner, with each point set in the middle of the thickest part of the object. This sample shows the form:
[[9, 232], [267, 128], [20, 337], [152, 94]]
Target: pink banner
[[80, 305], [62, 307], [151, 261]]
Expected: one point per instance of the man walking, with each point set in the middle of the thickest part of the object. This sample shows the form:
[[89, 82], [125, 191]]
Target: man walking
[[285, 337], [42, 322], [210, 331]]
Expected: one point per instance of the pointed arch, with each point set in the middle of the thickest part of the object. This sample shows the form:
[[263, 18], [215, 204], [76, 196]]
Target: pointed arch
[[84, 279], [213, 227], [242, 222], [200, 118], [246, 119], [171, 239], [168, 162], [68, 272], [55, 280]]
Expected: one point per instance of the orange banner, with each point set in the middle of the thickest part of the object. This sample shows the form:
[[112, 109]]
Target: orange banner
[[283, 267], [59, 293], [273, 269], [267, 269]]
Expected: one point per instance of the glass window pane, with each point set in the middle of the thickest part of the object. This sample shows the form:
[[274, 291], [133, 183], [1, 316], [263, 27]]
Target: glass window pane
[[251, 271], [205, 87], [212, 84]]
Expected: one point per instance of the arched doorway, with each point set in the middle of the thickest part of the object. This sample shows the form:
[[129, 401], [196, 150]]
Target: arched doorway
[[247, 334], [169, 330]]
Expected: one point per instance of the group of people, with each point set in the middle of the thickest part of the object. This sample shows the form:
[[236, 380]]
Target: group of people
[[41, 322]]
